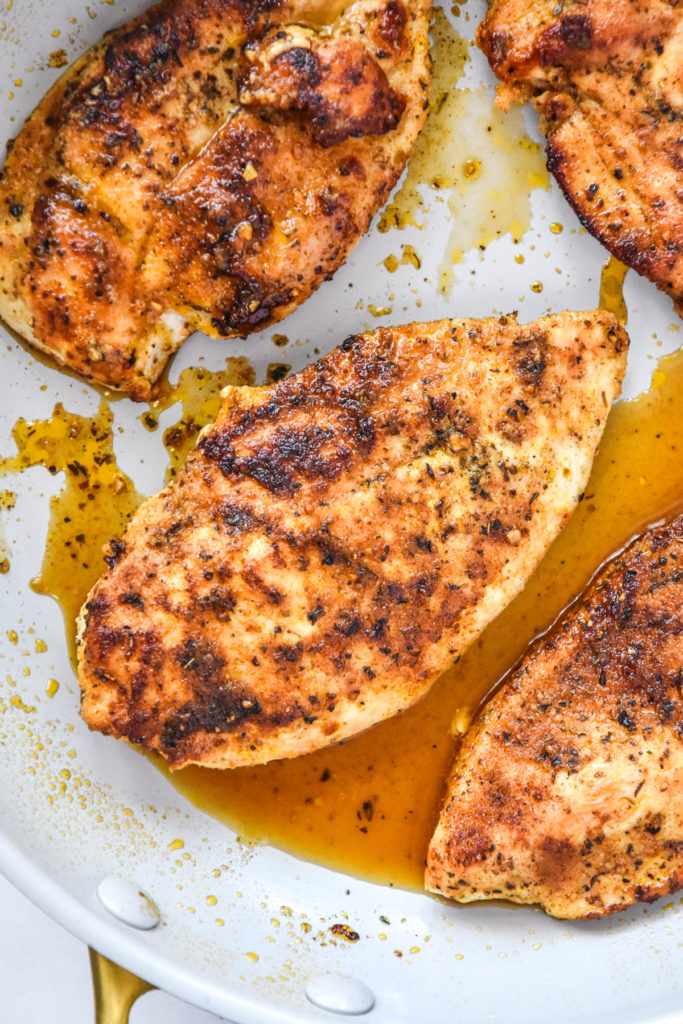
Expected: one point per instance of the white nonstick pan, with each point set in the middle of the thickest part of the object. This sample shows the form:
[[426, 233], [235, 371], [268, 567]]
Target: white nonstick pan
[[78, 810]]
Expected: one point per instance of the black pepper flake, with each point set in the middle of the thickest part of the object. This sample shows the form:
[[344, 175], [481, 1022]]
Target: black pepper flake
[[16, 210], [344, 932], [623, 718], [315, 614]]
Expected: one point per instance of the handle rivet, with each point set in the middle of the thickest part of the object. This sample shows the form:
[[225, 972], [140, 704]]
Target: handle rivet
[[127, 902], [337, 994]]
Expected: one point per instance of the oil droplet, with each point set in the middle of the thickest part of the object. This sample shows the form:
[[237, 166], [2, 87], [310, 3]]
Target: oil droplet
[[519, 258], [177, 844], [12, 636], [408, 257], [52, 687], [253, 957], [471, 168], [536, 286], [40, 646], [212, 901], [612, 289], [94, 504], [16, 702], [280, 340], [378, 310], [556, 228]]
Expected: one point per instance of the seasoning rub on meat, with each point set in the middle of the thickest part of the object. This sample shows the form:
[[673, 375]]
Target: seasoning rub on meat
[[568, 790], [605, 77], [206, 166], [336, 540]]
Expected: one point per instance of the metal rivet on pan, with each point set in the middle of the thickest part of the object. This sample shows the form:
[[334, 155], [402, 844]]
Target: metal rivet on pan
[[126, 901], [338, 994]]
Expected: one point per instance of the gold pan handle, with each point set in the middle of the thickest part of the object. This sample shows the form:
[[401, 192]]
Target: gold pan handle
[[115, 990]]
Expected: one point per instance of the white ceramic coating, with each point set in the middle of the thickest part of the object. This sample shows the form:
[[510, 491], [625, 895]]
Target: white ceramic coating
[[76, 807]]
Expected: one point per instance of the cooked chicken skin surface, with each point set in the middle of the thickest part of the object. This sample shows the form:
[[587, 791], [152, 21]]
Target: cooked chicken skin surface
[[568, 790], [605, 77], [336, 540], [205, 166]]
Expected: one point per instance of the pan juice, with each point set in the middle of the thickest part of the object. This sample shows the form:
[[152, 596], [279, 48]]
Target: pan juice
[[97, 499]]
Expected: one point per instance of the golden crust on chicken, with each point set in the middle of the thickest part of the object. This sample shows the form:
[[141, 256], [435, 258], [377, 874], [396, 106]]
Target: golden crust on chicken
[[206, 166], [605, 78], [568, 790], [335, 541]]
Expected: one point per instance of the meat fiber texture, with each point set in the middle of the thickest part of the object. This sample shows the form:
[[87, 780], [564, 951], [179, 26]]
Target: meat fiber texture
[[335, 541], [204, 167], [605, 77], [568, 790]]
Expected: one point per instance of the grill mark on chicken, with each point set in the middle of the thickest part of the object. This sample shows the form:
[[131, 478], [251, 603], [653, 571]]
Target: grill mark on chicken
[[336, 539], [604, 76], [565, 792], [206, 166]]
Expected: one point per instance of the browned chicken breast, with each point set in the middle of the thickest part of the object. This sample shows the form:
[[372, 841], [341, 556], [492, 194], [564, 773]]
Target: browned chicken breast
[[205, 166], [605, 76], [336, 540], [568, 790]]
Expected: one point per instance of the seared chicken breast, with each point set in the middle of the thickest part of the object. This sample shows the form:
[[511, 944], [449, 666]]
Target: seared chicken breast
[[605, 77], [335, 541], [206, 166], [568, 790]]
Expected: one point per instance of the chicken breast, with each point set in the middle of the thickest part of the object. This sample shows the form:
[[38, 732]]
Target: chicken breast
[[568, 790], [206, 166], [605, 78], [335, 541]]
